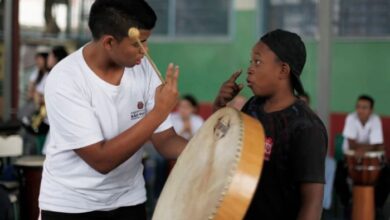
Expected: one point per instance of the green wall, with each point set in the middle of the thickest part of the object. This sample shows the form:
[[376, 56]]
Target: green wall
[[358, 66], [205, 64]]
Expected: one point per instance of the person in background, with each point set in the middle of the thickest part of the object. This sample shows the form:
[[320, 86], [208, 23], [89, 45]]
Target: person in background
[[36, 78], [362, 133], [31, 139], [185, 121], [56, 54]]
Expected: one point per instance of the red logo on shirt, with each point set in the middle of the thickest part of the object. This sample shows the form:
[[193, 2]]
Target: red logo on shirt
[[140, 105], [269, 143]]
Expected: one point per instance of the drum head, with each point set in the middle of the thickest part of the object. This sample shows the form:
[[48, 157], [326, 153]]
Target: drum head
[[217, 173]]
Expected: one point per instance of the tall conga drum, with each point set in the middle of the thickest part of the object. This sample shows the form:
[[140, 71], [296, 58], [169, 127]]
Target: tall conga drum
[[364, 172], [217, 174], [30, 175]]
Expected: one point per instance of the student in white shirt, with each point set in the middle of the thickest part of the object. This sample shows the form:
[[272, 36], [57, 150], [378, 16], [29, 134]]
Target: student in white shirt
[[363, 128], [185, 121], [36, 77], [362, 133], [104, 102]]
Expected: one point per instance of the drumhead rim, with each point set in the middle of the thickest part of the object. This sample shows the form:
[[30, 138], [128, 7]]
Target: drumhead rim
[[232, 173], [366, 154], [236, 156]]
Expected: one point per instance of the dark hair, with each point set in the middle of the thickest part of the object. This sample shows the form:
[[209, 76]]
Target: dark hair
[[367, 98], [192, 100], [115, 17], [59, 52], [41, 73]]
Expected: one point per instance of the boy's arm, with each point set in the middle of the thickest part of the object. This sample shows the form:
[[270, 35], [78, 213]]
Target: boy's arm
[[311, 201], [106, 155], [168, 143]]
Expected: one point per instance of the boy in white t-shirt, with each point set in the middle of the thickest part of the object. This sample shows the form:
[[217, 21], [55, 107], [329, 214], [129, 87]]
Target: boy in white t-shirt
[[363, 129], [104, 102], [362, 133]]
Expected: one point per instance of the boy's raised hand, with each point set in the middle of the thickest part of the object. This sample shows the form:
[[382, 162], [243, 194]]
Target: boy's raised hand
[[228, 91]]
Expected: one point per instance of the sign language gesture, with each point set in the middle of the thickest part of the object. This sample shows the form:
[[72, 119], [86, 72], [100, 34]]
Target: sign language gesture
[[228, 91], [167, 94]]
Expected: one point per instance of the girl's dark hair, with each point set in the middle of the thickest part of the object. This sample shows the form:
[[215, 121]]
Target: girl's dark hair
[[41, 73], [59, 52]]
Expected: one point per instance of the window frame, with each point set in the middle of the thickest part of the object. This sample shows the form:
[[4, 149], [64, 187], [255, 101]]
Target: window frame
[[172, 37], [261, 25]]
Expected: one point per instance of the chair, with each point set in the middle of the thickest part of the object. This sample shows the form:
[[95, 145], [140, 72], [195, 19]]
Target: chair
[[11, 146], [338, 144]]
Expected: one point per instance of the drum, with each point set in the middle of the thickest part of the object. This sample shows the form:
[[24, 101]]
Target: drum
[[364, 172], [217, 174], [30, 175]]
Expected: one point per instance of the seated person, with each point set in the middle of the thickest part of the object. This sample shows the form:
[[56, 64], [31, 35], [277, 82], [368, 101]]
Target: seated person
[[362, 133], [363, 128], [185, 121]]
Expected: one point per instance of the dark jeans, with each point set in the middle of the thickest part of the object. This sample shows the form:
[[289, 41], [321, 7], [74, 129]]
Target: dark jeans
[[5, 204], [124, 213]]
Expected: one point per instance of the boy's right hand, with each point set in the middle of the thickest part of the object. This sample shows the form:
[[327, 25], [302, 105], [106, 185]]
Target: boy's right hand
[[228, 91], [167, 94]]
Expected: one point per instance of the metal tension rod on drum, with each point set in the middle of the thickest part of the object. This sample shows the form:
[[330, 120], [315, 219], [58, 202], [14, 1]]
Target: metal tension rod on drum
[[135, 34]]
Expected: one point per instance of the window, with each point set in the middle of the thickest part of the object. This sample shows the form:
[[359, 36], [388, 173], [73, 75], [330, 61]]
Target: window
[[350, 18], [362, 18], [189, 18], [163, 11], [299, 16], [61, 16], [176, 18]]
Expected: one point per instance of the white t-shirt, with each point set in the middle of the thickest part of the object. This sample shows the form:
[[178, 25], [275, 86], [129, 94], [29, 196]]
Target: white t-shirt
[[195, 120], [33, 76], [39, 87], [83, 109], [370, 133]]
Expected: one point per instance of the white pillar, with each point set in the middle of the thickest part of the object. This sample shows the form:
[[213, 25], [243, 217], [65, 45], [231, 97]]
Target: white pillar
[[324, 61]]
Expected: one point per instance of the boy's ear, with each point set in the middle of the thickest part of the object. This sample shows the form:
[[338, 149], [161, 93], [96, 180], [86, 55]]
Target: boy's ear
[[285, 71], [108, 41]]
